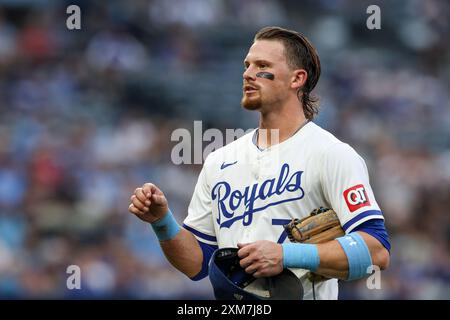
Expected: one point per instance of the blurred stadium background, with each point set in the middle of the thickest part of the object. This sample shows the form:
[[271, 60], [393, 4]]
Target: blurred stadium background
[[86, 116]]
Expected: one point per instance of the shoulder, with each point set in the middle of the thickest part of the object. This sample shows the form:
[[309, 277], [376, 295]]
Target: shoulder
[[326, 145], [322, 140]]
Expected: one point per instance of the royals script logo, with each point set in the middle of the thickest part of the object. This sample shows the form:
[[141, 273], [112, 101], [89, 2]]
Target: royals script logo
[[229, 200]]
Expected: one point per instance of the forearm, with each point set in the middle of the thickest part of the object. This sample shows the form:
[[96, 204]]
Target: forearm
[[180, 246], [184, 253], [333, 261]]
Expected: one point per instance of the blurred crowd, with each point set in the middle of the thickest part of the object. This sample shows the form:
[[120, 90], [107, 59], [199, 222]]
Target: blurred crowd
[[86, 116]]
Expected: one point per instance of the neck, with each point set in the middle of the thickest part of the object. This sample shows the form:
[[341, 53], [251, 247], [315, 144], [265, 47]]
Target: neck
[[279, 124]]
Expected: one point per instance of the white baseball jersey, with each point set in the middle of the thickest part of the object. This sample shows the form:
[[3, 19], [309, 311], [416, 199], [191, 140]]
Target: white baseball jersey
[[245, 194]]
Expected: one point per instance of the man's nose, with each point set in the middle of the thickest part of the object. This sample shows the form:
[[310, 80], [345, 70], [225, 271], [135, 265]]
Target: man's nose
[[249, 74]]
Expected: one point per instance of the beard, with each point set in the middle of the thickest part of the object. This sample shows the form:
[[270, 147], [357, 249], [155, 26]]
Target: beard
[[251, 102]]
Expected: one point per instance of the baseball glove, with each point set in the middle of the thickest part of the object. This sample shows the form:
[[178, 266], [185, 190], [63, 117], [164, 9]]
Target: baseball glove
[[320, 226]]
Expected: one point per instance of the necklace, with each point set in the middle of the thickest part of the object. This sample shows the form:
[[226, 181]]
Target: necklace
[[256, 136], [301, 126]]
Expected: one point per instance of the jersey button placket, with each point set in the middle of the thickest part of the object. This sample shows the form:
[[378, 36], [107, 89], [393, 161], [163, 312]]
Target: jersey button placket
[[257, 168], [265, 167]]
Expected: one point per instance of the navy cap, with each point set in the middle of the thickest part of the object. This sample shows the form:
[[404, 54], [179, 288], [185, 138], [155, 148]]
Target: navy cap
[[229, 280]]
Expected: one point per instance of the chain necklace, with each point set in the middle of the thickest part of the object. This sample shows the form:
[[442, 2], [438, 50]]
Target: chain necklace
[[299, 128]]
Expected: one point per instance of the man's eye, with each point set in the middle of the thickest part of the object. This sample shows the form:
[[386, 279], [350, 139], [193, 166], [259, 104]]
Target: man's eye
[[262, 66]]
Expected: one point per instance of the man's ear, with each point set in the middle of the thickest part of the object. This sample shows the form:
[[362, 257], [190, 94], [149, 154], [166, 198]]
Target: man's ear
[[299, 78]]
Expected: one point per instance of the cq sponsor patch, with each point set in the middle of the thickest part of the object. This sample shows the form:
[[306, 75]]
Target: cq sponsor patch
[[356, 197]]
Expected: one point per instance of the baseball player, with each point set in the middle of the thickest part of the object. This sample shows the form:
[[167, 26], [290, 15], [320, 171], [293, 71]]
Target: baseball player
[[253, 186]]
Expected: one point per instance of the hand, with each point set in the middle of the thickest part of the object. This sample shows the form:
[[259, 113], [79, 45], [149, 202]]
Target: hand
[[261, 258], [148, 203]]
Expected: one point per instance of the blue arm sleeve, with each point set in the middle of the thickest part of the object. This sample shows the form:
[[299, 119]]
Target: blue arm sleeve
[[208, 250], [376, 228]]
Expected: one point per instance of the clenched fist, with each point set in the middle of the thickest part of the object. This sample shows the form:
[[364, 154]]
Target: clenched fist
[[148, 203]]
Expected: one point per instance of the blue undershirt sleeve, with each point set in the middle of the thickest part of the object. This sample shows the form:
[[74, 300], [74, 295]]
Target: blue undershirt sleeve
[[208, 250], [376, 228]]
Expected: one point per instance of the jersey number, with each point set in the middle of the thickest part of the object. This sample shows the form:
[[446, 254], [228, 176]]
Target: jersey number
[[281, 222]]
